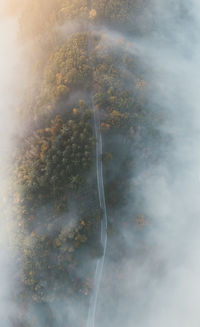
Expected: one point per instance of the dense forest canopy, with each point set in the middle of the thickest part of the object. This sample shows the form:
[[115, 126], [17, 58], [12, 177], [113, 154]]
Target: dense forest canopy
[[76, 61]]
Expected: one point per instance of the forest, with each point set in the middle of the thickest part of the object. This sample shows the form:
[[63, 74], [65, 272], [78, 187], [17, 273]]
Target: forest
[[79, 51]]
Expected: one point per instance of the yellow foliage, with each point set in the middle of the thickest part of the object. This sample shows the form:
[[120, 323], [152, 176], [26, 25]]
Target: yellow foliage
[[62, 90], [105, 126], [92, 14], [44, 147], [58, 243], [59, 78], [75, 111]]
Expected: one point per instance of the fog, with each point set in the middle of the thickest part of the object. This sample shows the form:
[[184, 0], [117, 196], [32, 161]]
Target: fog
[[10, 93], [162, 288]]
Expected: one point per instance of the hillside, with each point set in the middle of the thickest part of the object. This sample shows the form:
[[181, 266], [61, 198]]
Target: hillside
[[80, 53]]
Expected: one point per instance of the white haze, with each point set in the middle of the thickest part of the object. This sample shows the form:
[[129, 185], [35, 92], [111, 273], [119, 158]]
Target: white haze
[[11, 81], [171, 189], [172, 192]]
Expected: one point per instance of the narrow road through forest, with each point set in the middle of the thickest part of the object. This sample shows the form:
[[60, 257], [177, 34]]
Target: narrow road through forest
[[101, 194]]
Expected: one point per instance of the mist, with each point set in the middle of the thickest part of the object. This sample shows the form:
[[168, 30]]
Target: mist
[[161, 288], [157, 282], [12, 67]]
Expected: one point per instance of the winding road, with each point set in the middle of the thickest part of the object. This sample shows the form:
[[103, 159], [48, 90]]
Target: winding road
[[101, 195]]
